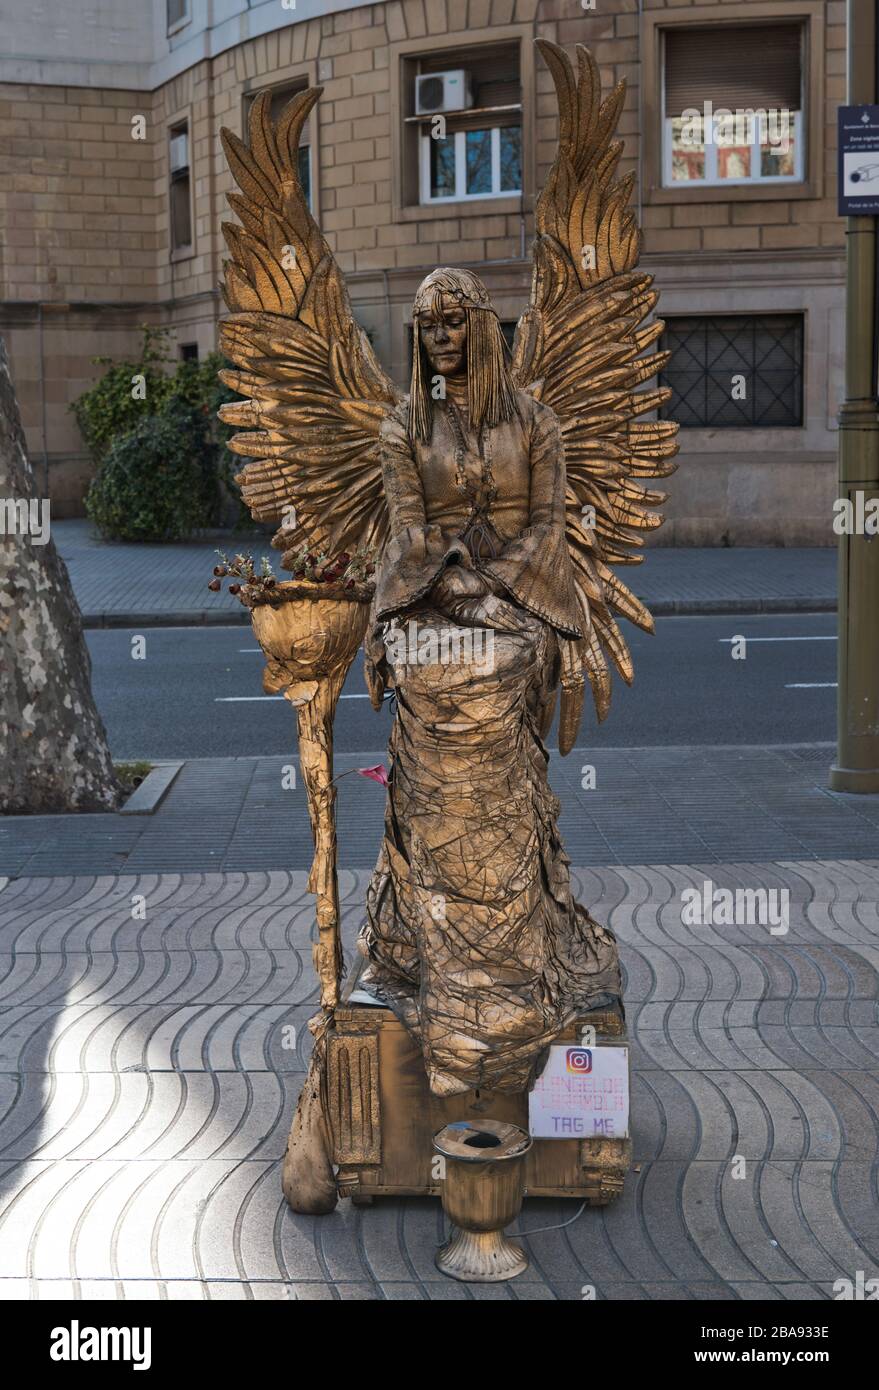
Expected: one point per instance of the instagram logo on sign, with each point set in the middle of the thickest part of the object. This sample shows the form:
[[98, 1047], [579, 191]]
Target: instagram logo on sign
[[578, 1060]]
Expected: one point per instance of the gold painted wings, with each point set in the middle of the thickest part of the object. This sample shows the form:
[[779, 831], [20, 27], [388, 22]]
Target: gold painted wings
[[579, 349], [316, 392]]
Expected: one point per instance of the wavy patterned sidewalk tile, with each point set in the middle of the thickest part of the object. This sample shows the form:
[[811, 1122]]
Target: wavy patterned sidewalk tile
[[153, 1037]]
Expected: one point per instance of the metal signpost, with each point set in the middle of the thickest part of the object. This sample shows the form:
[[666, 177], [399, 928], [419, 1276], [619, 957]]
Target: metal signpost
[[856, 768]]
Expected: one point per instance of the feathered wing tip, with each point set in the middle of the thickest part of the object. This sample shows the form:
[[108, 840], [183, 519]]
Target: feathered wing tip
[[315, 393], [278, 245], [583, 347]]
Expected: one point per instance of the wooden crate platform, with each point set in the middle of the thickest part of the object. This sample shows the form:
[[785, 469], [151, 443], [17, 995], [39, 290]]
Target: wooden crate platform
[[383, 1117]]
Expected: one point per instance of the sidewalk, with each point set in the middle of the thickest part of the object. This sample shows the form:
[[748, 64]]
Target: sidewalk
[[649, 805], [148, 1074], [156, 980], [123, 585]]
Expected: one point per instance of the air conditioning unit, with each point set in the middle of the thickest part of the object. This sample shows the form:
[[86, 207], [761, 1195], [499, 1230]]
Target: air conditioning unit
[[443, 91], [178, 152]]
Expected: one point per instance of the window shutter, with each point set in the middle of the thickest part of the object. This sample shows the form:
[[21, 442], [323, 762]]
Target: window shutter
[[739, 68]]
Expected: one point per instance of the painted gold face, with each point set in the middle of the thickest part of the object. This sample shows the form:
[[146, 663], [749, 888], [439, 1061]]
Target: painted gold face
[[444, 335]]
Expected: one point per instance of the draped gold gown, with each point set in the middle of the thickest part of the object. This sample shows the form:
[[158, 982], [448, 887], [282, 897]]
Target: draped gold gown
[[472, 935]]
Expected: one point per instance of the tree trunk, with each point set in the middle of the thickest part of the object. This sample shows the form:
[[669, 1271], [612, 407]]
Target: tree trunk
[[53, 748]]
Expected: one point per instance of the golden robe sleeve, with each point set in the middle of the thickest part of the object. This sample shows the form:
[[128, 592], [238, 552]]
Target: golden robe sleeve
[[416, 553], [535, 568]]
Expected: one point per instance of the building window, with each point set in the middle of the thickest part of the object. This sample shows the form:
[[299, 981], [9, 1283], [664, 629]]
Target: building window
[[742, 371], [178, 14], [733, 105], [180, 188], [279, 99], [189, 352], [471, 164], [464, 124]]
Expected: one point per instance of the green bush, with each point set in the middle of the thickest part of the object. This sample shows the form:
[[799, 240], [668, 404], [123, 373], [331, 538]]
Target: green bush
[[198, 385], [123, 500], [159, 481], [109, 409]]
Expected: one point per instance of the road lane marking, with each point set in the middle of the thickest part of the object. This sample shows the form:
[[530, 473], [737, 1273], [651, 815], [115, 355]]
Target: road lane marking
[[777, 639], [813, 685], [247, 699]]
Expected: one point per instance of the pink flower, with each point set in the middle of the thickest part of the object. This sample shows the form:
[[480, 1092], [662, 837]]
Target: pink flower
[[377, 773]]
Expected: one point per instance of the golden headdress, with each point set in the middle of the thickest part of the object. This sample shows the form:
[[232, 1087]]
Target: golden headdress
[[491, 393]]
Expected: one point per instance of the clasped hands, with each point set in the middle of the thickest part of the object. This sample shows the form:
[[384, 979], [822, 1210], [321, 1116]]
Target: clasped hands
[[469, 597]]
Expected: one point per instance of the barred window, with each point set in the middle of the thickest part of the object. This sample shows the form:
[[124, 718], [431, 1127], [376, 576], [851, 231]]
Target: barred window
[[736, 371]]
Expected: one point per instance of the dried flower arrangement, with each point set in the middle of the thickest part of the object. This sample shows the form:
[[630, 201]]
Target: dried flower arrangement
[[341, 573]]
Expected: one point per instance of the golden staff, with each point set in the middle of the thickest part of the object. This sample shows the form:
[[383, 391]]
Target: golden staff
[[310, 634]]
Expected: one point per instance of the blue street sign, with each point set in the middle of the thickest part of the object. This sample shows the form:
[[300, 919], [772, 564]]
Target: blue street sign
[[858, 161]]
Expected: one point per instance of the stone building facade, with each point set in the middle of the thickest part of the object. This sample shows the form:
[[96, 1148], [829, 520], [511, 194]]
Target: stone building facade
[[113, 220]]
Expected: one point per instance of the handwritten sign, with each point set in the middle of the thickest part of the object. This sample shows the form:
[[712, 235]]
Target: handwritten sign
[[582, 1093]]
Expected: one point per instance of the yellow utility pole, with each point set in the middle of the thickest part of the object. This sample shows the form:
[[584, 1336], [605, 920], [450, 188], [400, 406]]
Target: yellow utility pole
[[857, 758]]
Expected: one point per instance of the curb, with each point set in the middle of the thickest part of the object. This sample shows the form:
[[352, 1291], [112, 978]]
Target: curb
[[660, 608], [188, 617], [666, 607], [147, 798]]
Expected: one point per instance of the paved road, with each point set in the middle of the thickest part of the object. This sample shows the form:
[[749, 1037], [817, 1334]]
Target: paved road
[[197, 692]]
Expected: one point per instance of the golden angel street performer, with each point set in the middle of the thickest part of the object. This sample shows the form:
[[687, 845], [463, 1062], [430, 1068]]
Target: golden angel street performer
[[499, 497], [473, 937]]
